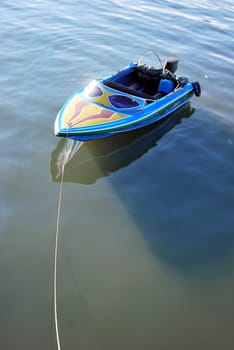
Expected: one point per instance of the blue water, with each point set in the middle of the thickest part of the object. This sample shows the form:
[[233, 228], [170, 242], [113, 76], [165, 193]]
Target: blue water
[[146, 254]]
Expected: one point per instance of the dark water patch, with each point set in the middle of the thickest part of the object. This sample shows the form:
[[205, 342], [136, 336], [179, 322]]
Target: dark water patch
[[185, 214]]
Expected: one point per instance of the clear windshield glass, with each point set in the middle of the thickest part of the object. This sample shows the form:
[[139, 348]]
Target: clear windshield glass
[[93, 90]]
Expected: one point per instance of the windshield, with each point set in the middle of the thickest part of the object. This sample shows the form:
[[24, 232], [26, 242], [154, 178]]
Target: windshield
[[93, 90]]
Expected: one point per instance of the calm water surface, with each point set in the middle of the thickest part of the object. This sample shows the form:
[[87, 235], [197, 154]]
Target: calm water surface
[[146, 252]]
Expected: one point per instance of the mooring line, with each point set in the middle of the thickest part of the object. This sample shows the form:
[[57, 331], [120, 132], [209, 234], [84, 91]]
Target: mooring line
[[56, 260], [66, 157]]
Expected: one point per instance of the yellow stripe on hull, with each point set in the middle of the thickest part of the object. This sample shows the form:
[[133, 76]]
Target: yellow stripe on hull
[[80, 113]]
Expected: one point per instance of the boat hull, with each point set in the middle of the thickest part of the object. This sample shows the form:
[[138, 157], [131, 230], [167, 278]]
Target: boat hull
[[133, 98], [99, 122]]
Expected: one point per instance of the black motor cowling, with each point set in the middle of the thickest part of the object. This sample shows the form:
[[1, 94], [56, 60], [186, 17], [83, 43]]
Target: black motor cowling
[[171, 64], [197, 88]]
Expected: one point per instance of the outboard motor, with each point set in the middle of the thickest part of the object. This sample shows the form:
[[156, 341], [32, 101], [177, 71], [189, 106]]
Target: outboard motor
[[171, 64]]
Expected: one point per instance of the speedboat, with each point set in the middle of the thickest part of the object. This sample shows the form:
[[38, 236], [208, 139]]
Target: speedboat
[[86, 162], [132, 98]]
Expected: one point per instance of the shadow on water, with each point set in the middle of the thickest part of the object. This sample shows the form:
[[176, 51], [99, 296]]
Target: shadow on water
[[179, 213], [92, 160]]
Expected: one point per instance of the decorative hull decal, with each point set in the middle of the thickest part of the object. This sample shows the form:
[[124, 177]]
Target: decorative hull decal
[[80, 113]]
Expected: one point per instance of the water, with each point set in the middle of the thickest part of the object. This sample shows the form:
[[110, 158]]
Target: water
[[146, 251]]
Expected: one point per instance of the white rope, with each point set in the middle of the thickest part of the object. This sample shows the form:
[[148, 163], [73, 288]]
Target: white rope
[[56, 246], [56, 259]]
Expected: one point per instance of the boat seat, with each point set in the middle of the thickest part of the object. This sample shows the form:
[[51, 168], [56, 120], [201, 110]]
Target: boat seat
[[166, 86]]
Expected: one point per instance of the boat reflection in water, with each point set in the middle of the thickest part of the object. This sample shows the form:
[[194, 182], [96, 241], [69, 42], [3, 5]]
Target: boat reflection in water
[[88, 161]]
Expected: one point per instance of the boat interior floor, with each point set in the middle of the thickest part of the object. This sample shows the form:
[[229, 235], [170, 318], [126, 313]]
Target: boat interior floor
[[137, 84]]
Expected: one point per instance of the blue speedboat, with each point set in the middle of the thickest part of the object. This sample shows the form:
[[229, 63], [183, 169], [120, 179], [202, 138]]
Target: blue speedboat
[[132, 98], [86, 162]]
